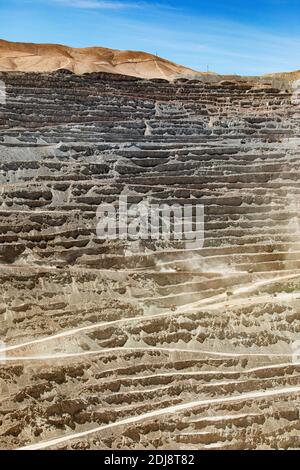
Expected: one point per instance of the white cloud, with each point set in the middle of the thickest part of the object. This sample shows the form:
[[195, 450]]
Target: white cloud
[[111, 4], [98, 4]]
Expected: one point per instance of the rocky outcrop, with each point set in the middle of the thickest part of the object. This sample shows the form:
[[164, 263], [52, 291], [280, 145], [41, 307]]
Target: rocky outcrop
[[143, 344]]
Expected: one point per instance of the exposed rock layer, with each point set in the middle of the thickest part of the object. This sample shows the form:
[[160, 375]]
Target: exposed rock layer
[[145, 345]]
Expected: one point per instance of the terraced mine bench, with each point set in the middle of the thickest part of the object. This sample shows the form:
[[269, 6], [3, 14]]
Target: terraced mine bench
[[140, 345]]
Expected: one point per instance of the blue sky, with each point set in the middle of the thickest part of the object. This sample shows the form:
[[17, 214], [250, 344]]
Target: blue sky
[[228, 36]]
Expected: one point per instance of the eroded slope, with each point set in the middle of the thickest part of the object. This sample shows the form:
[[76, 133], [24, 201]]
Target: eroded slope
[[140, 345], [27, 57]]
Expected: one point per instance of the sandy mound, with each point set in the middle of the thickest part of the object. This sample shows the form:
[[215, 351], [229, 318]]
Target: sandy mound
[[27, 57], [291, 76]]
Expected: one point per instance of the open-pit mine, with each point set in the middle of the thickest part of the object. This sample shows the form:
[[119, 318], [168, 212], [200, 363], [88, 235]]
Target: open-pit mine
[[120, 344]]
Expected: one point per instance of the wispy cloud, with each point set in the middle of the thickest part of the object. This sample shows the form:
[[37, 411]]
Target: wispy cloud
[[97, 4], [107, 5]]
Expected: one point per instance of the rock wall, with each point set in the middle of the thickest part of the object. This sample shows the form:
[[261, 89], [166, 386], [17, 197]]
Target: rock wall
[[146, 345]]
